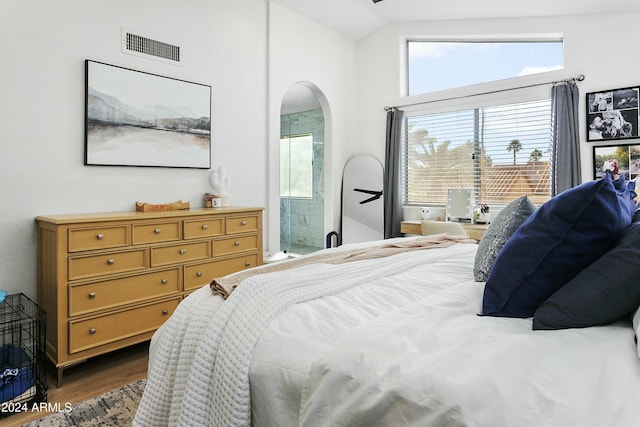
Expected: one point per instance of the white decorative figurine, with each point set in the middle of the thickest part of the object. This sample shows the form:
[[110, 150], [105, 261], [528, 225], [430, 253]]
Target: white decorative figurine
[[220, 183]]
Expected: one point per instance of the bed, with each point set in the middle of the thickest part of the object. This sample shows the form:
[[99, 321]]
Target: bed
[[414, 336]]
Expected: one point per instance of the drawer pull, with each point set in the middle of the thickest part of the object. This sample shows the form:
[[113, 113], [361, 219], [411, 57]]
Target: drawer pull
[[199, 274], [237, 243], [92, 295], [92, 331], [247, 264], [165, 312], [165, 281], [183, 251], [157, 231], [205, 227], [111, 261], [100, 236], [243, 223]]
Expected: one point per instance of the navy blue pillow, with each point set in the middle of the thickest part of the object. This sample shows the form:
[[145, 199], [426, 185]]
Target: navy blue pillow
[[604, 292], [554, 244]]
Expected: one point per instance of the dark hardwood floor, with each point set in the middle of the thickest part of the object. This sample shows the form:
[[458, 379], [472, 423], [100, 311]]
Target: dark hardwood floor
[[92, 378]]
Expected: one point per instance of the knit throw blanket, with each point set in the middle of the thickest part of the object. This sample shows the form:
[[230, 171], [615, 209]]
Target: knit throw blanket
[[223, 286], [200, 372]]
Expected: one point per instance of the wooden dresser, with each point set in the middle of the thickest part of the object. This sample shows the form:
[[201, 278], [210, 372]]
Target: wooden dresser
[[109, 280]]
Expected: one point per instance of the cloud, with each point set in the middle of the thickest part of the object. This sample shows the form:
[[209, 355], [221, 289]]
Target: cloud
[[433, 49]]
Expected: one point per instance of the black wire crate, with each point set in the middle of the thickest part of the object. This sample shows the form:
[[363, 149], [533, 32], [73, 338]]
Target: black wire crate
[[23, 377]]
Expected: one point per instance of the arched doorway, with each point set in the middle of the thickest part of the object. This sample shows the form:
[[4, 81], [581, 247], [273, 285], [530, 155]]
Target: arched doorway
[[302, 155]]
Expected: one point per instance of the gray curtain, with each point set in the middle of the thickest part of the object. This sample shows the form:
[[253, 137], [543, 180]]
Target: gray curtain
[[565, 165], [392, 189]]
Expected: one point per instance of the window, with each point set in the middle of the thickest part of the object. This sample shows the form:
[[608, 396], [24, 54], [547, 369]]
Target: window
[[296, 166], [500, 152], [441, 65]]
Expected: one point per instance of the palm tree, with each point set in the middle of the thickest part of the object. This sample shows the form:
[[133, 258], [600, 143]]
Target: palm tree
[[535, 155], [514, 146]]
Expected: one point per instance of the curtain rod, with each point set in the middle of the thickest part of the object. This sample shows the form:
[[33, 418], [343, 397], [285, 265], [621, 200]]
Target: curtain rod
[[579, 78]]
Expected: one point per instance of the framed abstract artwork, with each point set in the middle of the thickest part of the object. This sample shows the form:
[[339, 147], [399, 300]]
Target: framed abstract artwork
[[133, 118]]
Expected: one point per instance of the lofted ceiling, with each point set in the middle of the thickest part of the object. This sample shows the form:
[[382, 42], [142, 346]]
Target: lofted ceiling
[[357, 18]]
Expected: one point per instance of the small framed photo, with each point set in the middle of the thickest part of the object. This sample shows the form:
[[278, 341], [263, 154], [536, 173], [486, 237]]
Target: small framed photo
[[612, 114], [616, 160]]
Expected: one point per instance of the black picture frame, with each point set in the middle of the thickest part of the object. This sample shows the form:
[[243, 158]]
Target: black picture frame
[[612, 114], [624, 160], [134, 118]]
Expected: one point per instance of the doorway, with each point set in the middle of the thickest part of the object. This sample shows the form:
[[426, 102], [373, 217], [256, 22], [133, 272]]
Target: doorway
[[302, 147]]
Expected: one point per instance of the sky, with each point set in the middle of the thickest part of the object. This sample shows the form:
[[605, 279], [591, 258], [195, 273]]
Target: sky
[[444, 65]]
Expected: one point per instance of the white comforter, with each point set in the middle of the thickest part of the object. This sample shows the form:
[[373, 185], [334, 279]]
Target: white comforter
[[388, 345]]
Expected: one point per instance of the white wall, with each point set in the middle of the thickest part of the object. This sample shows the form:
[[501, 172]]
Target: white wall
[[42, 109], [224, 43], [606, 58]]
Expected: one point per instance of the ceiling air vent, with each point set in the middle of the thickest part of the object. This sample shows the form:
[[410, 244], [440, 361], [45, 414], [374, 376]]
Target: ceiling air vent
[[153, 49]]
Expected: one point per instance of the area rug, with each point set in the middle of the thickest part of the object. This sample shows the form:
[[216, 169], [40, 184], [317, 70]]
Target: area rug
[[113, 408]]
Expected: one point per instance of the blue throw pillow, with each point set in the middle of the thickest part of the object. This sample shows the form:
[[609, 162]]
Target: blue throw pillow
[[604, 292], [554, 244]]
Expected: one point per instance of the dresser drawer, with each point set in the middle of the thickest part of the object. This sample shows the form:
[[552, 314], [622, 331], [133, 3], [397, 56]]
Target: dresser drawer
[[81, 267], [88, 333], [183, 252], [241, 224], [198, 275], [156, 232], [235, 244], [86, 239], [203, 228], [89, 297]]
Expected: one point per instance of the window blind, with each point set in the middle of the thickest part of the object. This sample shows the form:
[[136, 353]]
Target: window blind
[[500, 152]]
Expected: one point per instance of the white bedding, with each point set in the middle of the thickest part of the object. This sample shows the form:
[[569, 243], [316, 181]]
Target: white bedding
[[398, 349]]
